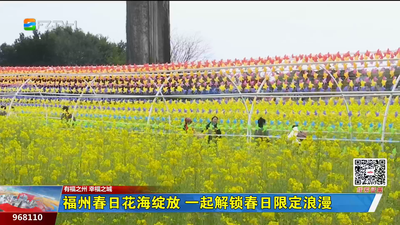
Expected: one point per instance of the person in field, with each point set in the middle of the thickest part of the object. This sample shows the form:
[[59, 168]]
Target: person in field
[[12, 113], [295, 135], [188, 121], [3, 111], [260, 130], [66, 116], [212, 128], [187, 128]]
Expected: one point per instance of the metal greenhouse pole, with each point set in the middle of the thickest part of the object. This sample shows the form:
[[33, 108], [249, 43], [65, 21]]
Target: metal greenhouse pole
[[387, 112], [153, 101], [252, 106], [80, 96], [345, 101], [16, 93]]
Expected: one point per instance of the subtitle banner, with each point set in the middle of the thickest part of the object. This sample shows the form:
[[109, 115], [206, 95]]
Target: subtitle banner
[[120, 199], [40, 204]]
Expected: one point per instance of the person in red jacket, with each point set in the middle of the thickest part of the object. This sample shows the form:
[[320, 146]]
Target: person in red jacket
[[188, 121]]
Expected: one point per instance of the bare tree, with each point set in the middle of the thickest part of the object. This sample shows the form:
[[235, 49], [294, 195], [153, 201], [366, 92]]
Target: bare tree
[[188, 48]]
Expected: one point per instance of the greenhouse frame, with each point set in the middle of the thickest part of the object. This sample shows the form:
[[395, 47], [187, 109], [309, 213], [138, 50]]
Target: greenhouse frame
[[270, 87]]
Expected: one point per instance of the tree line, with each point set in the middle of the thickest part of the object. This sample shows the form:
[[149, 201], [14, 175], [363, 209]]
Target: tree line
[[65, 46]]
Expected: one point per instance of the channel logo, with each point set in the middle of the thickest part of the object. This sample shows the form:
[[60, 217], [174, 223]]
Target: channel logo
[[29, 24]]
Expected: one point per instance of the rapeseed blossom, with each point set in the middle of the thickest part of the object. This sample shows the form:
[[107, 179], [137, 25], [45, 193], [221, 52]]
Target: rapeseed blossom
[[103, 152]]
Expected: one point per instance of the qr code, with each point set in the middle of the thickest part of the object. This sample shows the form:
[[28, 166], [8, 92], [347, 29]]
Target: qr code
[[370, 172]]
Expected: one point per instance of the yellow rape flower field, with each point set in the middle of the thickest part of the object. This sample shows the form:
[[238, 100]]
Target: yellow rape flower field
[[36, 152]]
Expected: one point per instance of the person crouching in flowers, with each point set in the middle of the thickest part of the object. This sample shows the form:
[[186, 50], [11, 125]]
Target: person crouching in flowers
[[66, 116], [260, 131], [188, 129], [188, 121], [12, 114], [3, 111], [293, 134], [212, 128]]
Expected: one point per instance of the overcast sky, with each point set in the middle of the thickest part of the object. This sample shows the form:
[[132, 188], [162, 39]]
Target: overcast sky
[[235, 29]]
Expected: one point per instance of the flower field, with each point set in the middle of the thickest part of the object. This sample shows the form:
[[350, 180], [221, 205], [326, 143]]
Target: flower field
[[37, 153], [137, 141]]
